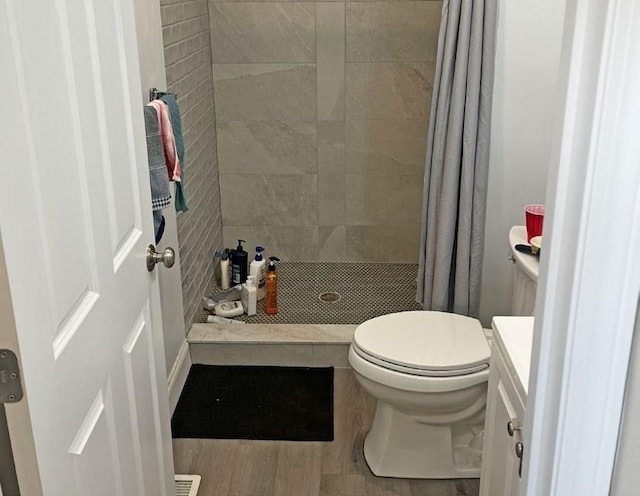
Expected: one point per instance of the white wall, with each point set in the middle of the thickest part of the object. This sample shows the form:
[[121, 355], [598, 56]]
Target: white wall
[[527, 58], [152, 74]]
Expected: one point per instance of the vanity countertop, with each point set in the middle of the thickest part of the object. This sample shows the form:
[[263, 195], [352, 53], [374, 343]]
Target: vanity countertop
[[514, 337]]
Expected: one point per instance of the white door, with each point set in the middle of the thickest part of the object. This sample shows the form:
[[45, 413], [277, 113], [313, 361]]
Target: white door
[[75, 220]]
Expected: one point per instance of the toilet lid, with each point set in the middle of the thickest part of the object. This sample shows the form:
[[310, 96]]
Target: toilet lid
[[431, 343]]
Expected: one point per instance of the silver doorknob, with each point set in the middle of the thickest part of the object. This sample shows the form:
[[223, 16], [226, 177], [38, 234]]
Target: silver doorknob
[[167, 257]]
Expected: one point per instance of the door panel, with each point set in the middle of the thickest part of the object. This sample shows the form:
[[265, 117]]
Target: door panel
[[115, 122], [140, 371], [94, 450], [75, 220]]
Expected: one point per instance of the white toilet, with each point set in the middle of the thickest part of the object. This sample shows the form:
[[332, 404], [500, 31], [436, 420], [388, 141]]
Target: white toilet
[[429, 372]]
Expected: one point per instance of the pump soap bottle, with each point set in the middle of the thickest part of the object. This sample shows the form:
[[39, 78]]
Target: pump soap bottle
[[239, 259], [258, 269], [271, 303]]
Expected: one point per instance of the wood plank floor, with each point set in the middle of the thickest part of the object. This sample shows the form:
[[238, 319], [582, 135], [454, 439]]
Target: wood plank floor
[[282, 468]]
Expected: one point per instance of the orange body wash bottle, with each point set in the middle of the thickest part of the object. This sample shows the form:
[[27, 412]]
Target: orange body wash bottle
[[271, 300]]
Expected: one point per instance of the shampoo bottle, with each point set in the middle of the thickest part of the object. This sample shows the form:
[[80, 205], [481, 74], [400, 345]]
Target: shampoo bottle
[[239, 261], [225, 282], [271, 303], [249, 296], [258, 269], [229, 309]]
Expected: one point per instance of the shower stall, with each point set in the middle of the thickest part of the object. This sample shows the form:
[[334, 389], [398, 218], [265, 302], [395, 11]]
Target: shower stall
[[306, 135]]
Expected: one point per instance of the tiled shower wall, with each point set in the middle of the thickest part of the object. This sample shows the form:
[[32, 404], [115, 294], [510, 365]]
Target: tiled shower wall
[[187, 54], [321, 114]]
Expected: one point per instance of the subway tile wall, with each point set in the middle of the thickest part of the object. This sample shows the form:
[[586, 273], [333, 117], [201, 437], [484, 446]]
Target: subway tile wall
[[187, 51], [322, 111]]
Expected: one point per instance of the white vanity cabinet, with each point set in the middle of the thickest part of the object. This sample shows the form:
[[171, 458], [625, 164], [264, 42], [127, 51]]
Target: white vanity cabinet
[[506, 400]]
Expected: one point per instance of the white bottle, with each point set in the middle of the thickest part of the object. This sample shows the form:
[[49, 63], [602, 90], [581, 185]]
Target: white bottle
[[249, 296], [225, 280], [214, 319], [258, 269], [229, 309]]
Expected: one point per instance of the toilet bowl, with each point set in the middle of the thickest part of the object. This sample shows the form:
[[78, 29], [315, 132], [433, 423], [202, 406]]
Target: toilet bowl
[[428, 372]]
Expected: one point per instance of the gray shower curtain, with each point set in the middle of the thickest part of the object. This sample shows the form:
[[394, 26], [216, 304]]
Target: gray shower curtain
[[456, 169]]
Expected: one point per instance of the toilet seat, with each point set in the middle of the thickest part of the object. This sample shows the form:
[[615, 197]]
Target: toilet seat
[[412, 382], [414, 370], [423, 343]]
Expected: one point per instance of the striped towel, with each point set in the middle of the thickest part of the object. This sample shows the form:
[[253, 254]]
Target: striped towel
[[160, 192]]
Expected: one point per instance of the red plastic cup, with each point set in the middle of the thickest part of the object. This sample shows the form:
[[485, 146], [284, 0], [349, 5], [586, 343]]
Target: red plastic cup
[[534, 218]]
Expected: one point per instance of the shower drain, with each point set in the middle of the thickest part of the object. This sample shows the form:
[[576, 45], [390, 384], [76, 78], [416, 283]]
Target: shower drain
[[330, 297]]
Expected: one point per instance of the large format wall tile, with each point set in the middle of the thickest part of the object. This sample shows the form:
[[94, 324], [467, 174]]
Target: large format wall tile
[[267, 147], [385, 199], [332, 243], [331, 199], [330, 39], [265, 92], [285, 242], [267, 32], [382, 31], [386, 146], [383, 243], [389, 90], [260, 200], [321, 115], [331, 173]]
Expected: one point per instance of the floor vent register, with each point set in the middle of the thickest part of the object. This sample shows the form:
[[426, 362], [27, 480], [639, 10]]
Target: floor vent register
[[187, 485]]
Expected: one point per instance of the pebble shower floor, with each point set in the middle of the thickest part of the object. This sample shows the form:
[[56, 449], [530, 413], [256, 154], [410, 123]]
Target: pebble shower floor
[[353, 292]]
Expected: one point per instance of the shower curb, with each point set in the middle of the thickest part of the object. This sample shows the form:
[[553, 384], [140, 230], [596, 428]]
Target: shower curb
[[295, 345]]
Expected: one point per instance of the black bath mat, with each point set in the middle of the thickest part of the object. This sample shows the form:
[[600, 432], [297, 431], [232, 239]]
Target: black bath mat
[[269, 403]]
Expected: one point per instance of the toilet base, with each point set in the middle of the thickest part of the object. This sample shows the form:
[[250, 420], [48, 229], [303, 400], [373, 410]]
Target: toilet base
[[400, 445]]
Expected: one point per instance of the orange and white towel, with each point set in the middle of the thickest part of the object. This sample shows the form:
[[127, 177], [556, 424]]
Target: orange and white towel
[[168, 140]]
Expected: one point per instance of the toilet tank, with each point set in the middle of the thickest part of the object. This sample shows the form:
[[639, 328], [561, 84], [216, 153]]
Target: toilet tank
[[525, 274]]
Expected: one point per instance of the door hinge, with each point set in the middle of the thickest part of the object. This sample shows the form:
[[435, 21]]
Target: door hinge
[[10, 386]]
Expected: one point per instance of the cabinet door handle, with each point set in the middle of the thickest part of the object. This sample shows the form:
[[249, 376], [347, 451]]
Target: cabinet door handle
[[519, 454], [512, 428]]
